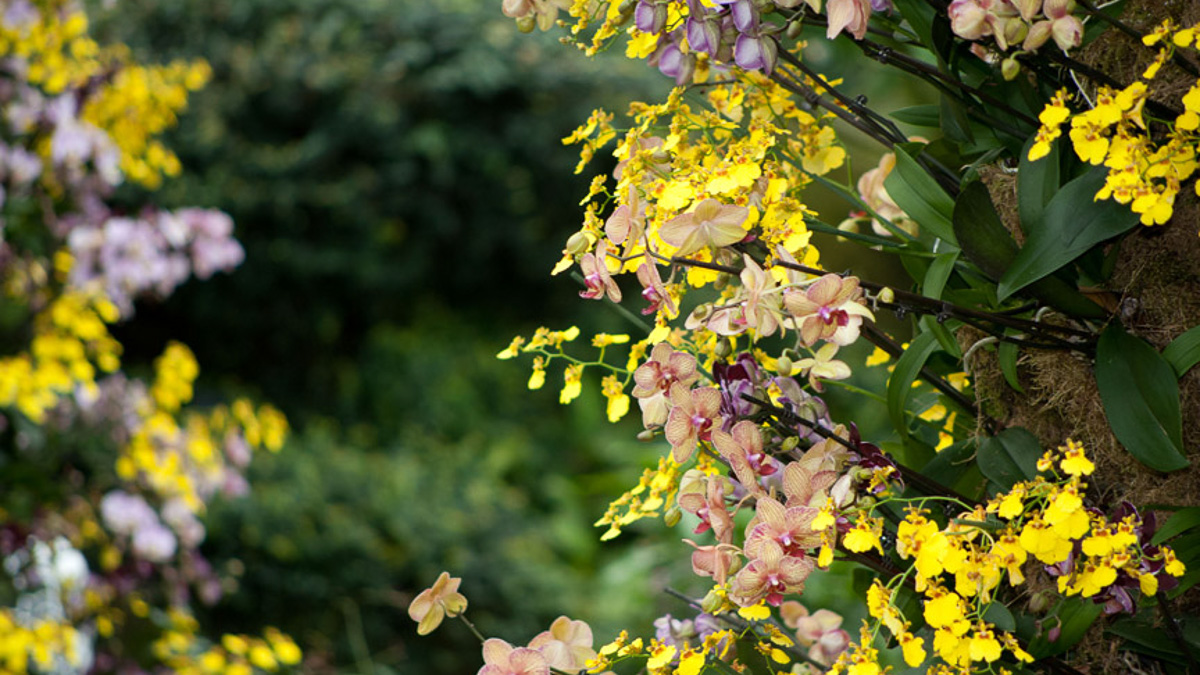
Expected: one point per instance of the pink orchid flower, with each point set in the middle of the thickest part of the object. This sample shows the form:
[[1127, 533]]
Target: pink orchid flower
[[567, 646], [596, 276], [848, 15], [501, 658], [828, 310], [711, 223], [771, 575], [653, 379], [694, 415]]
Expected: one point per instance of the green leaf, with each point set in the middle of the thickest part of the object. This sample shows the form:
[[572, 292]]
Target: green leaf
[[985, 242], [1147, 639], [999, 616], [1077, 616], [918, 116], [1184, 351], [1006, 354], [1073, 222], [920, 196], [1179, 522], [952, 467], [939, 272], [943, 334], [920, 16], [1140, 393], [1037, 182], [955, 122], [900, 383], [1009, 457]]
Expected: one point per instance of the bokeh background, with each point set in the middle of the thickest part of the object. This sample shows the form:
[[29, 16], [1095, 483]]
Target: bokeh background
[[397, 179]]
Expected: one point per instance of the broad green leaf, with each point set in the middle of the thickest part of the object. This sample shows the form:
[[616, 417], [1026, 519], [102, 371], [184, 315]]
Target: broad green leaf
[[955, 122], [1184, 351], [1073, 222], [1009, 457], [1180, 521], [1140, 393], [999, 616], [1037, 182], [1006, 354], [1077, 616], [920, 16], [1148, 639], [918, 116], [900, 383], [953, 467], [920, 196], [985, 242], [939, 272], [944, 335]]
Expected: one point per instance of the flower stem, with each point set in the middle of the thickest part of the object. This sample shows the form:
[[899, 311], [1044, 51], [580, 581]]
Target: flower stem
[[472, 627]]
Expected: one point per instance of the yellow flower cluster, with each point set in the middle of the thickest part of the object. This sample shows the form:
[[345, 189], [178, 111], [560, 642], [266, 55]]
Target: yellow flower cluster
[[751, 148], [137, 104], [70, 341], [179, 649], [548, 345], [1144, 171], [661, 658], [656, 488], [42, 643], [183, 458], [133, 103], [56, 46], [958, 567]]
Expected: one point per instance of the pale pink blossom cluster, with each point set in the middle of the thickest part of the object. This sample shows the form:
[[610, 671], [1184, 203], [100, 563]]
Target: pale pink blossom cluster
[[1026, 24], [151, 254], [565, 647]]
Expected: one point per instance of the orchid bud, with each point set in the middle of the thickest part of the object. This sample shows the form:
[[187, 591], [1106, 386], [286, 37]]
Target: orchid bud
[[1012, 32], [646, 436], [687, 70], [672, 516], [650, 17], [702, 35], [1057, 9], [745, 16], [1067, 32], [712, 602], [1040, 602], [1038, 34], [887, 295], [516, 8], [1028, 8], [968, 20], [794, 28], [840, 491], [783, 365], [722, 281], [526, 23], [625, 12], [1010, 68], [724, 348], [789, 443], [580, 242]]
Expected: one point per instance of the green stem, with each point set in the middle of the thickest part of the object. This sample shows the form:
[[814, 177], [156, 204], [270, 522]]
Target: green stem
[[472, 628]]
